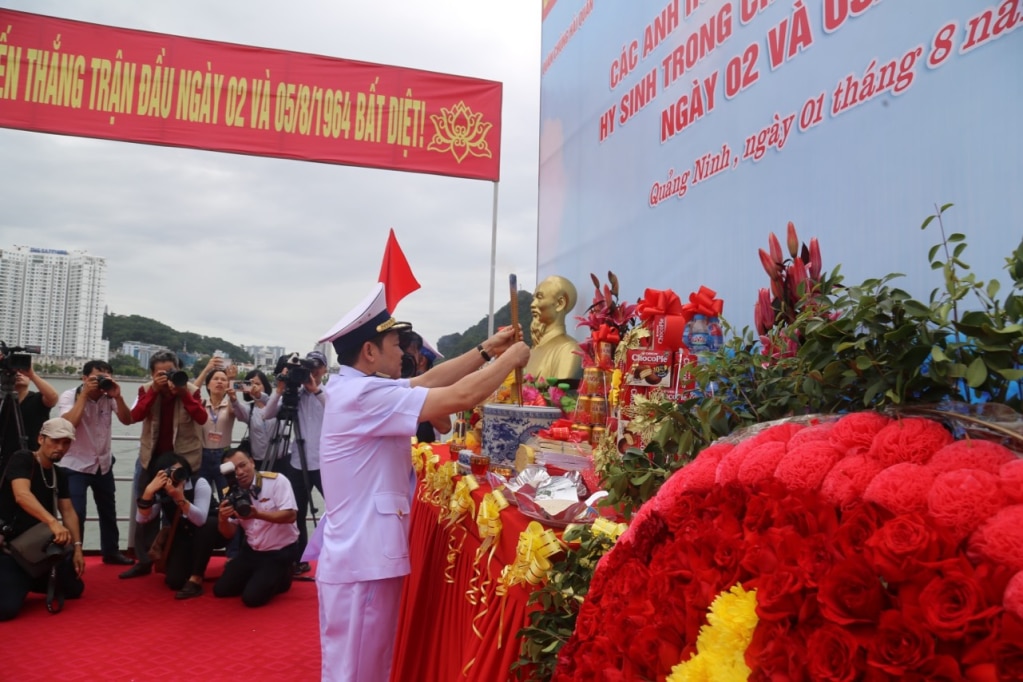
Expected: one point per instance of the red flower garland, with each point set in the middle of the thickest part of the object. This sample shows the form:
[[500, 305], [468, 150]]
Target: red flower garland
[[911, 583]]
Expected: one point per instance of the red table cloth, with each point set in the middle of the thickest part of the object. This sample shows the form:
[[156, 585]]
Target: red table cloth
[[436, 641]]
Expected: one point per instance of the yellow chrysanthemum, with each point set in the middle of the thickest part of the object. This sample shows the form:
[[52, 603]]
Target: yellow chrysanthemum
[[721, 645]]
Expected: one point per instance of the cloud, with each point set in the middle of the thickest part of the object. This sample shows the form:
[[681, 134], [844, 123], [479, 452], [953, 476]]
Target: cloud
[[271, 251]]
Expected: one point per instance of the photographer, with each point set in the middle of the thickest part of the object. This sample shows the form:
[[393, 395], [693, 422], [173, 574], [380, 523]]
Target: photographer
[[263, 505], [172, 419], [182, 499], [89, 461], [311, 402], [418, 359], [261, 427], [35, 409], [26, 498]]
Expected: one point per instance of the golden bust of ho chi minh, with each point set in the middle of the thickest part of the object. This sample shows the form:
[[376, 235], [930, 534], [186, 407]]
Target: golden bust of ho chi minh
[[555, 353]]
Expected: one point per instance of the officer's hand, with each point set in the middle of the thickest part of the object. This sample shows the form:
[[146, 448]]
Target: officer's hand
[[519, 354]]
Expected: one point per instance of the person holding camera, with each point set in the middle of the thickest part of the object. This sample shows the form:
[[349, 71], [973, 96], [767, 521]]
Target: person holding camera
[[172, 417], [222, 407], [34, 407], [31, 482], [183, 500], [419, 358], [369, 479], [302, 467], [89, 461], [262, 505], [261, 427]]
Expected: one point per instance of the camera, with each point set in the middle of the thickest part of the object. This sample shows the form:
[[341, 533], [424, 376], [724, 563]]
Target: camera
[[178, 377], [240, 499], [299, 369], [241, 385], [409, 341], [106, 383], [176, 474], [15, 359]]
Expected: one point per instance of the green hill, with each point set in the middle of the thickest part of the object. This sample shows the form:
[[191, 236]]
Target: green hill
[[453, 345], [120, 328]]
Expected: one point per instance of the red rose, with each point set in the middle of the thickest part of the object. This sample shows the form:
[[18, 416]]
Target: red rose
[[1009, 652], [833, 655], [774, 652], [815, 558], [940, 669], [901, 645], [899, 546], [654, 650], [953, 603], [859, 522], [780, 595], [851, 593]]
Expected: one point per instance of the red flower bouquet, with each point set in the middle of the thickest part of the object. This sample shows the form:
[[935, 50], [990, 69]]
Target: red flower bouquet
[[866, 558]]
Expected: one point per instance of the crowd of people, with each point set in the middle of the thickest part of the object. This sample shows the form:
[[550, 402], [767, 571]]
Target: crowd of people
[[196, 492]]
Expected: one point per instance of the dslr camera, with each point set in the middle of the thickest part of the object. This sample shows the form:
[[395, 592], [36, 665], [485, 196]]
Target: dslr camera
[[240, 499], [409, 341], [178, 377], [176, 474], [105, 382]]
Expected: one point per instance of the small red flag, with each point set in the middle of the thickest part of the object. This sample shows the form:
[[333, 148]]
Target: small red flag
[[396, 274]]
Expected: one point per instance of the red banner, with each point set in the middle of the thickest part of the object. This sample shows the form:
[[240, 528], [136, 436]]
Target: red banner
[[76, 78]]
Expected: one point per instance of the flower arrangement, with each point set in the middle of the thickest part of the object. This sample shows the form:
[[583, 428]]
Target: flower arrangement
[[537, 392], [878, 549], [610, 322]]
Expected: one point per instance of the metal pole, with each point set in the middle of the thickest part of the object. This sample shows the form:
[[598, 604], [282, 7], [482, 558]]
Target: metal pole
[[493, 264]]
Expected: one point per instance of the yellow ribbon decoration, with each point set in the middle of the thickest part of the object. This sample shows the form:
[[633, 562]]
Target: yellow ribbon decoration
[[460, 503], [439, 484], [488, 522], [423, 457], [602, 526], [532, 563]]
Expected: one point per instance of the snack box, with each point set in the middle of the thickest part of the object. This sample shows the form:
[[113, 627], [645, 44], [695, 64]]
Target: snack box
[[648, 367]]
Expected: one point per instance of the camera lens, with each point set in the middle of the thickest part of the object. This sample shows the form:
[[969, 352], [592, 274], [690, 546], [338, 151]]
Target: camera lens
[[106, 383]]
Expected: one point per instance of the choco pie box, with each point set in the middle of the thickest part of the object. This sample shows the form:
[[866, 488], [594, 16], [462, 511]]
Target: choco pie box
[[648, 368]]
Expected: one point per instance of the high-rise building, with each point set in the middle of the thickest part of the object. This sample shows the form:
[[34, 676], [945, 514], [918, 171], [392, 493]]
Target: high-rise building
[[53, 299]]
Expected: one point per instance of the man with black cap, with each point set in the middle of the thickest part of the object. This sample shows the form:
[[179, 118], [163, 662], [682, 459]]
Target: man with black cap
[[309, 416], [369, 480]]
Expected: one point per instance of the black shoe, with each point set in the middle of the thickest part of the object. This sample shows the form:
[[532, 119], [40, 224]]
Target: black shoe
[[300, 568], [137, 571], [118, 559], [191, 589]]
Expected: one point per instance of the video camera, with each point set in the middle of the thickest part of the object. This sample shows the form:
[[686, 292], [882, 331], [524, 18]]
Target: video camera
[[240, 499], [178, 377], [299, 369], [14, 359]]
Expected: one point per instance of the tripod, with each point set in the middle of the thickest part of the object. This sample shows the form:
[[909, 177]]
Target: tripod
[[288, 423], [9, 407]]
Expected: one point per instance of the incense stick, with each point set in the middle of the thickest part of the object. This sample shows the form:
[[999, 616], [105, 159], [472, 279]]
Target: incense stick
[[513, 286]]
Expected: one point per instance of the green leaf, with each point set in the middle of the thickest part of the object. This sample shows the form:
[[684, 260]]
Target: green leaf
[[927, 221], [956, 237], [976, 373], [1012, 374], [945, 207]]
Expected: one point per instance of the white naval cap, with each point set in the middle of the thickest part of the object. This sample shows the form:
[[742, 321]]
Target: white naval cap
[[366, 320]]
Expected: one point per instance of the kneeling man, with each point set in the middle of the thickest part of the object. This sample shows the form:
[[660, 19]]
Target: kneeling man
[[263, 506]]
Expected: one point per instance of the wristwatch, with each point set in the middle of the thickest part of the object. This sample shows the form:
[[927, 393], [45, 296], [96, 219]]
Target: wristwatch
[[484, 354]]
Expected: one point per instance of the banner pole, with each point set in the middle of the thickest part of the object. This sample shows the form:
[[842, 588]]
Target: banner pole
[[493, 263]]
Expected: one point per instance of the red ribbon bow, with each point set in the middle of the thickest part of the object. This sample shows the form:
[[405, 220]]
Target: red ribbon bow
[[702, 302], [606, 333], [657, 302]]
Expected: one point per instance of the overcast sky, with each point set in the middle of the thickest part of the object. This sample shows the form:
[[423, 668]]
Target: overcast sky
[[269, 251]]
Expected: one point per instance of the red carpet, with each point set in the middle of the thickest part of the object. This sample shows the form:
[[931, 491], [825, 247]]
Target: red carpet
[[128, 630]]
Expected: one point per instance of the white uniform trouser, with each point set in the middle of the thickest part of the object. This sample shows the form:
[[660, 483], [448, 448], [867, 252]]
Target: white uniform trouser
[[358, 626]]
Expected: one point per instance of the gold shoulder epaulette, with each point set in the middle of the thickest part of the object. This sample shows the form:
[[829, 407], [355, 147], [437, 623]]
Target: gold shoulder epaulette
[[268, 474]]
